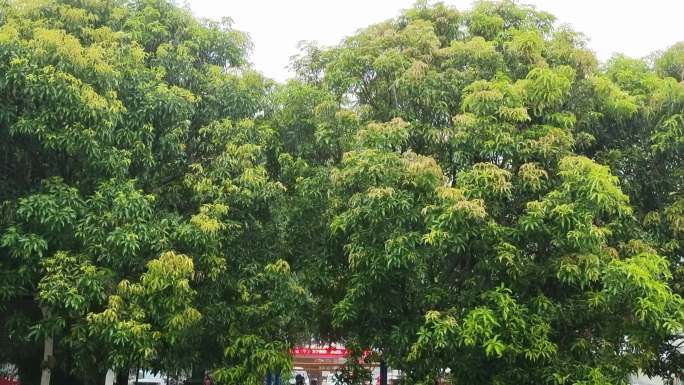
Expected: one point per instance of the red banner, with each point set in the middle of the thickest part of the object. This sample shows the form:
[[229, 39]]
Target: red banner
[[320, 352]]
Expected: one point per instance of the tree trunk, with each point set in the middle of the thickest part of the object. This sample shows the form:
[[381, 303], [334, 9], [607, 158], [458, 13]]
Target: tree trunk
[[122, 377], [48, 351]]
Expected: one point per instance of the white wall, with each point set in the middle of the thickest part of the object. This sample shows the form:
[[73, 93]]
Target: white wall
[[644, 380]]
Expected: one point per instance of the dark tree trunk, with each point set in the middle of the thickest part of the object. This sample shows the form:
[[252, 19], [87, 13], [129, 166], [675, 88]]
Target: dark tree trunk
[[122, 377]]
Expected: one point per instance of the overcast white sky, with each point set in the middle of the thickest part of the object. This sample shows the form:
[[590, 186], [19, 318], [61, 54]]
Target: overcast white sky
[[632, 27]]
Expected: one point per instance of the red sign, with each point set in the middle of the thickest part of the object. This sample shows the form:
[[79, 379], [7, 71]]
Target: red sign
[[329, 352], [320, 352]]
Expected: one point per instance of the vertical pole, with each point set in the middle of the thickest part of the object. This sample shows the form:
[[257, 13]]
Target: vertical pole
[[383, 373], [109, 377]]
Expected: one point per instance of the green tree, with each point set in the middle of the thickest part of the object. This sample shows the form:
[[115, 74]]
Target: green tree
[[521, 260], [137, 195], [463, 194], [645, 149]]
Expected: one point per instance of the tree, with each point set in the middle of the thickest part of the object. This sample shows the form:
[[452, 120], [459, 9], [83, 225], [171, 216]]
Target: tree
[[460, 194], [671, 62], [136, 195], [644, 148], [522, 261]]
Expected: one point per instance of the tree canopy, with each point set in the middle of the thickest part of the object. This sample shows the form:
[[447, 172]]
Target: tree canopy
[[467, 194]]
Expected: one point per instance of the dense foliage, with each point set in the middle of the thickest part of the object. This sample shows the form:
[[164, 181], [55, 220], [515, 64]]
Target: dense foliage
[[137, 197], [509, 209], [469, 195]]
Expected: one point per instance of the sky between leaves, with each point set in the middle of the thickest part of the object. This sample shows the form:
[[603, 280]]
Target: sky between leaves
[[632, 27]]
